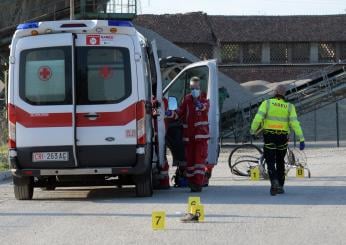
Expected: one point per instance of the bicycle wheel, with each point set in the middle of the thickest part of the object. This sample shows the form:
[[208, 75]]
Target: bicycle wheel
[[242, 158]]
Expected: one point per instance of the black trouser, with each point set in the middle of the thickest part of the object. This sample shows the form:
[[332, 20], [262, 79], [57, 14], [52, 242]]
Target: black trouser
[[275, 148]]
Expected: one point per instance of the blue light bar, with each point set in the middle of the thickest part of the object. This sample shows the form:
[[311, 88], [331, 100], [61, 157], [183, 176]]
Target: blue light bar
[[120, 23], [29, 25]]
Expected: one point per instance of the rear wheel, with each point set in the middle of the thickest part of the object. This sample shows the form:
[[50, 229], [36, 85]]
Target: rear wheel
[[23, 187], [144, 185], [243, 157]]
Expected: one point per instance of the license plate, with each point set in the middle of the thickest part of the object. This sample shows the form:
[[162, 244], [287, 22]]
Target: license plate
[[49, 156]]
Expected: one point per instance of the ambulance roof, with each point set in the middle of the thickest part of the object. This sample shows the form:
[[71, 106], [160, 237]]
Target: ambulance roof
[[76, 26]]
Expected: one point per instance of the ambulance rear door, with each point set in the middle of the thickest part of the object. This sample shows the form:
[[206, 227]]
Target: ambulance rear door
[[107, 98], [42, 81]]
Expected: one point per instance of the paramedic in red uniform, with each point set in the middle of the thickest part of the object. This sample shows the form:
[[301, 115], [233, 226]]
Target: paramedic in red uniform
[[194, 114]]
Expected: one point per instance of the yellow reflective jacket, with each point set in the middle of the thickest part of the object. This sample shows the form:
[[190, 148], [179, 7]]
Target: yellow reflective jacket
[[277, 114]]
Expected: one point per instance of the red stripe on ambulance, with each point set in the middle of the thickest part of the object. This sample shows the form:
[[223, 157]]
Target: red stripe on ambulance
[[46, 120]]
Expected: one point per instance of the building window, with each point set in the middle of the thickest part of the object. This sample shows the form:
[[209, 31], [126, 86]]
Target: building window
[[230, 53], [327, 52], [279, 53], [300, 52], [252, 53], [202, 51]]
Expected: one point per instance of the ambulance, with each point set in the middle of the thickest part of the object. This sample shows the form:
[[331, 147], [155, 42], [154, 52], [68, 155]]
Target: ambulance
[[80, 106]]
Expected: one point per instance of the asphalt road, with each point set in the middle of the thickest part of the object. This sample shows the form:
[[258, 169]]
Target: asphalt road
[[238, 211]]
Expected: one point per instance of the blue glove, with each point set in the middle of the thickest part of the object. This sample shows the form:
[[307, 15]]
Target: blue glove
[[198, 105], [302, 145], [168, 113]]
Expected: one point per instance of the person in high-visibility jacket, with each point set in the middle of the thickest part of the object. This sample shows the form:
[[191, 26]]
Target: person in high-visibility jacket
[[276, 117]]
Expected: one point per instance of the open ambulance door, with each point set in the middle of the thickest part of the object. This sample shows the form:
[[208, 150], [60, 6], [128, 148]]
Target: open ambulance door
[[180, 86], [161, 130]]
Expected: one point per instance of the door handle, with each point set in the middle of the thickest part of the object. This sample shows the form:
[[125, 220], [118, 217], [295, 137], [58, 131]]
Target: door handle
[[92, 116]]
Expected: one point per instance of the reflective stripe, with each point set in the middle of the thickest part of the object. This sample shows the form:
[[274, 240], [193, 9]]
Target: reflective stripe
[[272, 146], [195, 172], [185, 139], [199, 166], [202, 136], [267, 106], [293, 119], [184, 125], [205, 123], [199, 172], [190, 168], [276, 118], [290, 106], [164, 172]]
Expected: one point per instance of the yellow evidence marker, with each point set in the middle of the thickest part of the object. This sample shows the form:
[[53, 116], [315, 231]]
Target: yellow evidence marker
[[200, 212], [255, 173], [158, 220], [192, 202], [300, 172]]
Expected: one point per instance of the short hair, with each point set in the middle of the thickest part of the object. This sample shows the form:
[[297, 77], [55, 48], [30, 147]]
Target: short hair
[[194, 80], [280, 90]]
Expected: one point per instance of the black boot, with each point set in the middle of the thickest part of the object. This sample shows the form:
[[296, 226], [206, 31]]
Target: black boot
[[280, 190], [274, 187], [194, 187]]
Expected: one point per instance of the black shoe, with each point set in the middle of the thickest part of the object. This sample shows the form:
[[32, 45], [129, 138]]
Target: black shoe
[[189, 218], [273, 191], [280, 190], [194, 187], [274, 188]]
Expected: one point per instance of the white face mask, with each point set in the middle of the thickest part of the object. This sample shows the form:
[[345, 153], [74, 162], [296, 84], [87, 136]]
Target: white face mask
[[195, 92]]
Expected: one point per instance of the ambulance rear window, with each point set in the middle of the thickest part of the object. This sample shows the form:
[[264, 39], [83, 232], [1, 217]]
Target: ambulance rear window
[[104, 75], [45, 76]]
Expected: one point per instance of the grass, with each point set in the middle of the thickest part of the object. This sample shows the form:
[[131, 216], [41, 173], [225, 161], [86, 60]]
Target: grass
[[3, 158]]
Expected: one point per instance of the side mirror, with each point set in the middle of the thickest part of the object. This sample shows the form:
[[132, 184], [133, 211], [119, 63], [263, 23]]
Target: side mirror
[[172, 103]]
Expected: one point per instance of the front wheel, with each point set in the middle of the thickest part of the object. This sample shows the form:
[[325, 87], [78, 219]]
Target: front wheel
[[243, 157], [23, 187], [144, 185]]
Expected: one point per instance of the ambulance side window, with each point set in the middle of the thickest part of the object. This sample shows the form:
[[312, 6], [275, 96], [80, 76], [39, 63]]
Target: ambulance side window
[[45, 76], [178, 89], [203, 73], [181, 86]]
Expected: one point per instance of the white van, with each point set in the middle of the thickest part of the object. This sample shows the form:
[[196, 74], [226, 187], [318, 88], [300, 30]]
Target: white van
[[79, 105]]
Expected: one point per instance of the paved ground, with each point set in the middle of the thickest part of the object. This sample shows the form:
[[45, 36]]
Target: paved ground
[[238, 211]]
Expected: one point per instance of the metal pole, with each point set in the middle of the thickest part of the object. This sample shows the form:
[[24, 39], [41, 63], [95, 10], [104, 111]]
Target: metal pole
[[315, 124], [337, 125], [71, 9]]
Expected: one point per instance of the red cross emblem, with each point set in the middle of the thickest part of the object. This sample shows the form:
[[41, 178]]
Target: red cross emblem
[[105, 72], [44, 73]]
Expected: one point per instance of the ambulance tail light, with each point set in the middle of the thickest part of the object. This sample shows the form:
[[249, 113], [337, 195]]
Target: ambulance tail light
[[11, 126], [140, 118]]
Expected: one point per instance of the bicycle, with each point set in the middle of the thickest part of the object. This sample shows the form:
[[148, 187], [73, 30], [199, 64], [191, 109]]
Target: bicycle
[[247, 156]]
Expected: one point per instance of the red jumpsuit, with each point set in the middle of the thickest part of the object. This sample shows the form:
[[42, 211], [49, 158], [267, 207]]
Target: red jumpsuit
[[196, 135]]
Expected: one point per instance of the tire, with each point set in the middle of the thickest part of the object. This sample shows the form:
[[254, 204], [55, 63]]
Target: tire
[[242, 157], [23, 187], [144, 185]]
